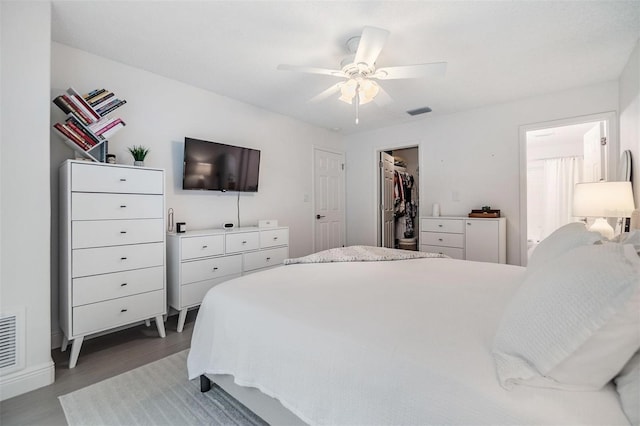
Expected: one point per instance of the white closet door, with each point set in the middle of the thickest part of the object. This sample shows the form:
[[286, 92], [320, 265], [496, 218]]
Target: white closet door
[[482, 242], [386, 186]]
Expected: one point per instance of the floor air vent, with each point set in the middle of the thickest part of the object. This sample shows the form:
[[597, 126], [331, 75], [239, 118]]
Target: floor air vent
[[10, 341]]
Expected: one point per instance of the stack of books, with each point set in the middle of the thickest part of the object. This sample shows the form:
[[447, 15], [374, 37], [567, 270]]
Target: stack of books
[[86, 124]]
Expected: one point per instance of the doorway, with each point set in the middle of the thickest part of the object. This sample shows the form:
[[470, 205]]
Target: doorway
[[557, 155], [398, 198], [328, 199]]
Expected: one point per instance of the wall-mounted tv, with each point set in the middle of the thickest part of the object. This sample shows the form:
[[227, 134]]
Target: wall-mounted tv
[[218, 167]]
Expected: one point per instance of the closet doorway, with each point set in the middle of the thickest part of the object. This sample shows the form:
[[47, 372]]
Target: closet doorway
[[557, 156], [398, 198]]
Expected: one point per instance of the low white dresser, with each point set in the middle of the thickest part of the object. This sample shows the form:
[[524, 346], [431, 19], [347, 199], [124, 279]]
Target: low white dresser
[[199, 260], [478, 239], [112, 249]]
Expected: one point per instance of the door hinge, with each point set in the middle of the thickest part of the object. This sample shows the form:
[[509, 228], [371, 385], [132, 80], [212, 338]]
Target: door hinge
[[603, 141], [381, 164], [342, 166]]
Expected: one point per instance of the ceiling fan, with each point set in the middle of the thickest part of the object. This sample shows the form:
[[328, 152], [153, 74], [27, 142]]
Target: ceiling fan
[[359, 71]]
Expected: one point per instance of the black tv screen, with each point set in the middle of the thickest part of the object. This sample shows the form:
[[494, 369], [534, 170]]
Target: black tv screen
[[219, 167]]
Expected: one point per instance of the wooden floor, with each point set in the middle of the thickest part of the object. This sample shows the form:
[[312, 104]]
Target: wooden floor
[[100, 358]]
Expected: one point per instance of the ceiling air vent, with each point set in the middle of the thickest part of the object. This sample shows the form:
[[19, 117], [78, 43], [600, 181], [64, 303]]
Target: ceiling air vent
[[419, 111]]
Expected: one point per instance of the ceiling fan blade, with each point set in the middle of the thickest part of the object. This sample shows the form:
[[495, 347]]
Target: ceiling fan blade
[[382, 98], [371, 43], [434, 69], [327, 93], [311, 70]]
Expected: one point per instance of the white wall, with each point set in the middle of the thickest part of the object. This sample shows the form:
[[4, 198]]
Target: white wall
[[629, 92], [24, 182], [468, 159], [160, 112]]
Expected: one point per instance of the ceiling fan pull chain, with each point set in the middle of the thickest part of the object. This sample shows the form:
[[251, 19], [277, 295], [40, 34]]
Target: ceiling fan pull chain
[[357, 102]]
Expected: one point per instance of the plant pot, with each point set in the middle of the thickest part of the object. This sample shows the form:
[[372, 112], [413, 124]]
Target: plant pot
[[138, 163]]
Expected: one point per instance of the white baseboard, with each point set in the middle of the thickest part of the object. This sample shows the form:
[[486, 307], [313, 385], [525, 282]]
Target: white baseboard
[[26, 380]]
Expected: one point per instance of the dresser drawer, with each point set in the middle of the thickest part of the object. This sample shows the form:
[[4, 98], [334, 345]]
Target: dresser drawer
[[456, 253], [274, 237], [242, 241], [94, 261], [209, 245], [95, 206], [92, 178], [207, 269], [98, 288], [100, 233], [455, 226], [265, 258], [442, 239], [113, 313], [193, 293]]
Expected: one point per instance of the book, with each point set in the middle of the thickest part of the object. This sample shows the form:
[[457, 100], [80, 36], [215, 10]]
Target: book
[[107, 104], [104, 122], [93, 94], [99, 97], [89, 113], [76, 110], [78, 131], [68, 134], [61, 103], [109, 126], [107, 111], [79, 128], [102, 101], [113, 130]]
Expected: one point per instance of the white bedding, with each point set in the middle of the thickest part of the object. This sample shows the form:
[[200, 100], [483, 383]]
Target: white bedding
[[401, 342]]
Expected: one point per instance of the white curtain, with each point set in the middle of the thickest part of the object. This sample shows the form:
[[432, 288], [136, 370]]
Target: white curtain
[[560, 176]]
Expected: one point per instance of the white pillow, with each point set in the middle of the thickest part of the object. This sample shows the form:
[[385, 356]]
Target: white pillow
[[574, 322], [561, 240], [628, 386]]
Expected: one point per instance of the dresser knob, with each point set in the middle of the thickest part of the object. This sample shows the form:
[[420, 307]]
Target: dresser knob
[[123, 232], [123, 180], [123, 284], [268, 259], [215, 268], [204, 247], [440, 225], [439, 239], [244, 242], [123, 258], [275, 238], [123, 310], [122, 207]]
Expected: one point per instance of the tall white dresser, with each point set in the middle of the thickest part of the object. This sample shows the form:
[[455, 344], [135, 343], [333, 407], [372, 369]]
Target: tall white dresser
[[200, 260], [112, 249]]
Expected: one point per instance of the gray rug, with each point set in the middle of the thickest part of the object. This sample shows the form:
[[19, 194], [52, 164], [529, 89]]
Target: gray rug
[[155, 394]]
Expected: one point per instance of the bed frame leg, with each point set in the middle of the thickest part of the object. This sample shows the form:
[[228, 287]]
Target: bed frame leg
[[205, 383]]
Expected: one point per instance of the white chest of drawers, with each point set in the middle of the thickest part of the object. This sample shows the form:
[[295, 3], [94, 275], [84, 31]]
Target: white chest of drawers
[[112, 249], [199, 260], [478, 239]]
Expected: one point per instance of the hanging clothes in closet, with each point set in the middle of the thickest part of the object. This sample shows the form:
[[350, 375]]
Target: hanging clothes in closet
[[405, 208]]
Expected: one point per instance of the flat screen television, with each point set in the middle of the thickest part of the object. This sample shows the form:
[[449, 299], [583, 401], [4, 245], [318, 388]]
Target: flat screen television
[[218, 167]]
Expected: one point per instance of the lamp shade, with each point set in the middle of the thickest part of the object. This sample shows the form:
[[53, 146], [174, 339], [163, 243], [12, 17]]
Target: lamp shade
[[603, 199]]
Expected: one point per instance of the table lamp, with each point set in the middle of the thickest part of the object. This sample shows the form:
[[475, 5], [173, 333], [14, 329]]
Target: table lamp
[[601, 200]]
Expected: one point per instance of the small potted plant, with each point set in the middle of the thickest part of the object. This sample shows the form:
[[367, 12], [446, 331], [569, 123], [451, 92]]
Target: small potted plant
[[139, 153]]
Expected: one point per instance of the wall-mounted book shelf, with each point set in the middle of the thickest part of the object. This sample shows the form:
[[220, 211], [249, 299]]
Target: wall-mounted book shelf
[[87, 128]]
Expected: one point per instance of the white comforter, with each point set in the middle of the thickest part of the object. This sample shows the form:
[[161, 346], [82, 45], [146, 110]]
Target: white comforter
[[370, 343]]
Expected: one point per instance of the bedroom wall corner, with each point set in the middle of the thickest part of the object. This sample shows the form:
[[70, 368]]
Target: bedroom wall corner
[[25, 41], [629, 109]]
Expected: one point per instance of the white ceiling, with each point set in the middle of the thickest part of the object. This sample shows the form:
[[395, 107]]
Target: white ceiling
[[497, 51]]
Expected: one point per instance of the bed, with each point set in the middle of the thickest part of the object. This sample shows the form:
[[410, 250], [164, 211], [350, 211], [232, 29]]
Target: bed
[[413, 341]]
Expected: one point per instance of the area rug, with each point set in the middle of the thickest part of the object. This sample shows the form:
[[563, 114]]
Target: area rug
[[158, 393]]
